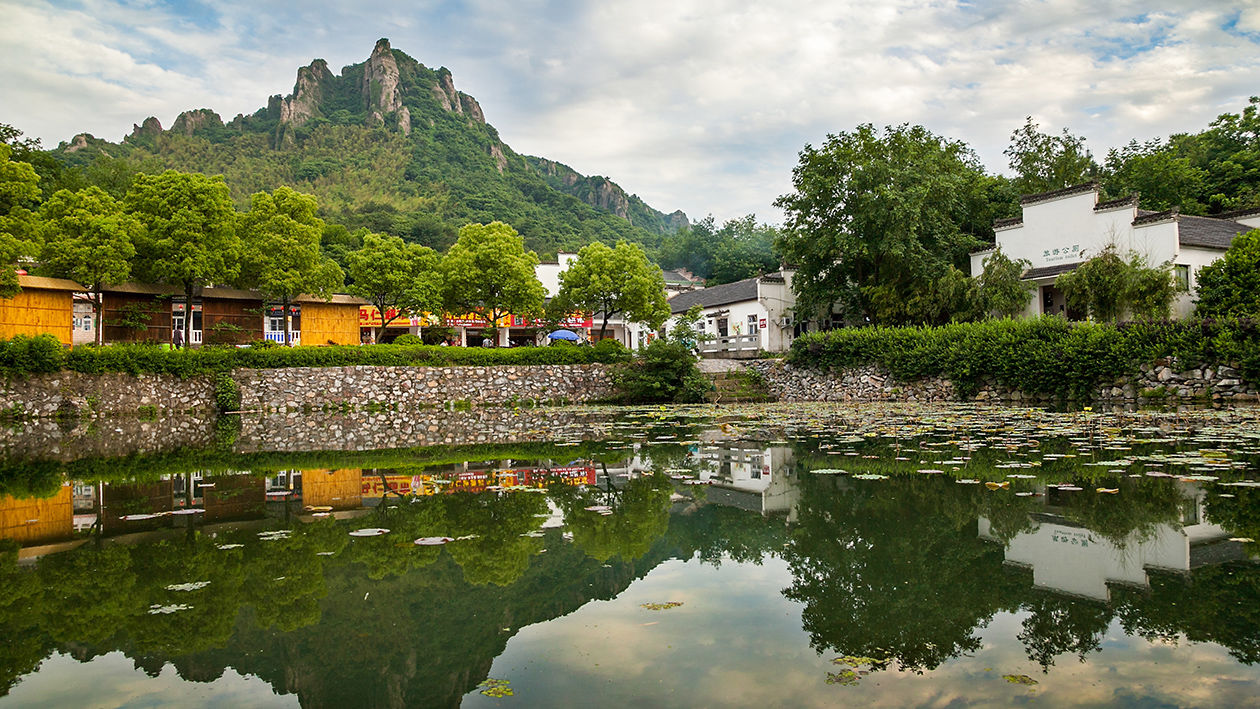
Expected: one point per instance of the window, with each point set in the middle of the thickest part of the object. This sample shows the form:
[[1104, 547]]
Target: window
[[752, 325], [722, 327], [1182, 274]]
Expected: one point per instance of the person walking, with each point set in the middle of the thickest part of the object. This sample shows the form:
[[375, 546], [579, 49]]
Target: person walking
[[177, 338]]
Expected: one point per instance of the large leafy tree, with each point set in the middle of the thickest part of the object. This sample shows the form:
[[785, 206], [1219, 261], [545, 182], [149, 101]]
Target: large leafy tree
[[740, 249], [88, 238], [1230, 286], [1162, 178], [488, 272], [282, 258], [614, 281], [1044, 162], [999, 289], [395, 277], [19, 191], [190, 238], [876, 224], [1111, 285]]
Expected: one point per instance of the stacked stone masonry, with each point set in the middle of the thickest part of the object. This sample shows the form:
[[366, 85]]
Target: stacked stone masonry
[[407, 387], [1162, 380]]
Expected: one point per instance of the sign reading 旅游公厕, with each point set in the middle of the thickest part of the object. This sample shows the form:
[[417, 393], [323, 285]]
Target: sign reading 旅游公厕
[[1062, 253]]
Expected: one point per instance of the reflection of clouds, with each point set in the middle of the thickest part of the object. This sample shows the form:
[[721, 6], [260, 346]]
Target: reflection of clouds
[[113, 680], [738, 642]]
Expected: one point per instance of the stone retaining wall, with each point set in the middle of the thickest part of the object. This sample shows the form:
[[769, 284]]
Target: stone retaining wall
[[409, 387], [1161, 380], [108, 393]]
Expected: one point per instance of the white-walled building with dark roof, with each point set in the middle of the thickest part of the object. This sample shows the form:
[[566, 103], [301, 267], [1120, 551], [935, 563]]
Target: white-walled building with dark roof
[[744, 316], [1060, 230]]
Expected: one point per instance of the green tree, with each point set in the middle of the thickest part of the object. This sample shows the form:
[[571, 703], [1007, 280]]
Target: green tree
[[1109, 286], [19, 191], [281, 238], [740, 249], [1230, 286], [875, 223], [395, 277], [1153, 170], [615, 281], [88, 238], [999, 289], [190, 238], [488, 272], [1044, 162]]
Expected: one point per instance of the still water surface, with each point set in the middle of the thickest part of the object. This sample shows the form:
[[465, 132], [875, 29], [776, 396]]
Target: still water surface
[[803, 555]]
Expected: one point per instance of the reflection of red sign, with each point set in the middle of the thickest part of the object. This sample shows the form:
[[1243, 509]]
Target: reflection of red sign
[[478, 480]]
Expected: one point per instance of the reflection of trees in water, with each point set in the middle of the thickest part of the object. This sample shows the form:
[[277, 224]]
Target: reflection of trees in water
[[895, 569], [640, 516], [712, 533]]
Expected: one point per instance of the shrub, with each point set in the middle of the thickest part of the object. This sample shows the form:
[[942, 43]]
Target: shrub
[[663, 372], [408, 339], [227, 393], [611, 351], [27, 355], [1045, 356]]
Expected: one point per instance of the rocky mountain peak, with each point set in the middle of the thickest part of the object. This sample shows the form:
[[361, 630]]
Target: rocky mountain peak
[[189, 122], [303, 104], [150, 127], [380, 84], [456, 101]]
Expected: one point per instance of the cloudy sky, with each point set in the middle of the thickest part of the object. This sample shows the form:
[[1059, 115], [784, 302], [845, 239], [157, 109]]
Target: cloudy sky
[[700, 105]]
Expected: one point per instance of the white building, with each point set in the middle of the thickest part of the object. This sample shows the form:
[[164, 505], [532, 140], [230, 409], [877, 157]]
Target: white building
[[1060, 230], [745, 316]]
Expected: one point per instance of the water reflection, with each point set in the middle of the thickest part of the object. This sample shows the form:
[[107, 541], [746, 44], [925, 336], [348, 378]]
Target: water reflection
[[212, 558]]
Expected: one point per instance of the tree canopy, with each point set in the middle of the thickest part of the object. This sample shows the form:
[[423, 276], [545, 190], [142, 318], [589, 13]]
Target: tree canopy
[[1043, 162], [19, 190], [1230, 286], [875, 224], [614, 281], [282, 258], [396, 277], [740, 249], [190, 231], [488, 272], [88, 238]]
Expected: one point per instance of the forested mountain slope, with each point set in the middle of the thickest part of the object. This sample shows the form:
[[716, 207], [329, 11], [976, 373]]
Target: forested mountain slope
[[391, 145]]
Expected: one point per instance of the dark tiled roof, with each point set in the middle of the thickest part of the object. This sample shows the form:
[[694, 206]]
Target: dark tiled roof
[[1010, 221], [1046, 271], [736, 292], [672, 276], [1250, 212], [1154, 217], [1055, 194], [1130, 201], [1207, 232]]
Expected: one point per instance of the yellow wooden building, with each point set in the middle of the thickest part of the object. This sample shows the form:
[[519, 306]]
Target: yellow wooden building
[[45, 305], [340, 489], [35, 520], [334, 322]]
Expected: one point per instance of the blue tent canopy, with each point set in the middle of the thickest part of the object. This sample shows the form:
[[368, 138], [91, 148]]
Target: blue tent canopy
[[563, 335]]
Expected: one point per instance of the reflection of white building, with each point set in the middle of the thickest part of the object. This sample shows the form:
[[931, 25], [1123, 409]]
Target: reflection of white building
[[1066, 557], [1058, 231], [750, 477]]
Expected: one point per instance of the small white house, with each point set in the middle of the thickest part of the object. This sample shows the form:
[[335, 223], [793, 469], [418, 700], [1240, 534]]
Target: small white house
[[745, 316], [1060, 230]]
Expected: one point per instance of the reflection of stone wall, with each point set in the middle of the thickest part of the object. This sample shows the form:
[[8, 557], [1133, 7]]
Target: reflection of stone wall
[[319, 387], [112, 392], [1158, 381], [298, 432], [71, 439]]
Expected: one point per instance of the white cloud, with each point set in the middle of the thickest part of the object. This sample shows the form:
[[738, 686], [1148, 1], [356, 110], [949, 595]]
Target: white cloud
[[700, 106]]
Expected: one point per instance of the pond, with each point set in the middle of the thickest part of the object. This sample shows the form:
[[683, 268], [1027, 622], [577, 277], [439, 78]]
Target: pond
[[768, 555]]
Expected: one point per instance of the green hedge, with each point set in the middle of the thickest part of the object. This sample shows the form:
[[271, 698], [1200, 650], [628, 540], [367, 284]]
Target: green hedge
[[26, 355], [1046, 356]]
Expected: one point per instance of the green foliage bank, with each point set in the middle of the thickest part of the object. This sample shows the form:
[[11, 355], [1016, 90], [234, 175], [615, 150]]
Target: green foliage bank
[[1044, 356]]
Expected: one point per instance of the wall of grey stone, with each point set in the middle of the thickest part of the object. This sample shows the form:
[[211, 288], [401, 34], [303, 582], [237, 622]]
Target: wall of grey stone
[[363, 430], [108, 393], [410, 387], [1161, 380]]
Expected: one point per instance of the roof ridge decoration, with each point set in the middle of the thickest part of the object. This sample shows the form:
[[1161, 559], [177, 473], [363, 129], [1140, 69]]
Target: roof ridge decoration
[[1168, 214], [1231, 216], [1008, 222], [1082, 188], [1129, 201]]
